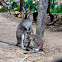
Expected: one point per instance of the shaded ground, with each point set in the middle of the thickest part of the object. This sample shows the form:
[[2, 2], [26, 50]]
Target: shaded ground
[[10, 53]]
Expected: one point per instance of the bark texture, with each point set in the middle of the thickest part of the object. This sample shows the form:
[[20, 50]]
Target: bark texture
[[43, 5]]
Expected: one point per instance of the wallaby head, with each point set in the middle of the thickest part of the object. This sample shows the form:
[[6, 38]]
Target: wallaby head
[[25, 13], [37, 41], [25, 28]]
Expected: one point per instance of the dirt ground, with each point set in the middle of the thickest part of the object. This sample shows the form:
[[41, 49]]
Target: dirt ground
[[10, 53]]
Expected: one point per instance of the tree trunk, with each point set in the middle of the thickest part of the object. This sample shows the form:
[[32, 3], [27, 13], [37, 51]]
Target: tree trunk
[[21, 5], [43, 5], [49, 3]]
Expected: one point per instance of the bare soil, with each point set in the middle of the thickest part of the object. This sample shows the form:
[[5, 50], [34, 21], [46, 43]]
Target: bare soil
[[10, 53]]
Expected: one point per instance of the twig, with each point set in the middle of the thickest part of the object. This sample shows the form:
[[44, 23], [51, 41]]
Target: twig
[[24, 58]]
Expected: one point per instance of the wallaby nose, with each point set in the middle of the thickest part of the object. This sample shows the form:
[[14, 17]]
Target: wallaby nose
[[26, 16]]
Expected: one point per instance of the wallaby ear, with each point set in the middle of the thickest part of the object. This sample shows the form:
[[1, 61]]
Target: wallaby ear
[[28, 10], [24, 10]]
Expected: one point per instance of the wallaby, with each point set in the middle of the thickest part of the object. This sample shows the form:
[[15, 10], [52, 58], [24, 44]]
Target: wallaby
[[38, 40], [22, 30]]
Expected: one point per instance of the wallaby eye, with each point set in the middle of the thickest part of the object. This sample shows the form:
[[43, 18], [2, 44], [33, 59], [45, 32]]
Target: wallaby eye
[[27, 16]]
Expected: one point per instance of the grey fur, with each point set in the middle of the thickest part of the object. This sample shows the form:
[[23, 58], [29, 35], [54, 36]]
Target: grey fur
[[23, 29]]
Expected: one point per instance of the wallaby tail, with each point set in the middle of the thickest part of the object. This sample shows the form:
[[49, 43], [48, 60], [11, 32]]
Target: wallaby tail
[[8, 42]]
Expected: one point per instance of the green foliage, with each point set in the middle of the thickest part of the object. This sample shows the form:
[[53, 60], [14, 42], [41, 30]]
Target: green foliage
[[3, 10], [11, 0], [52, 5], [33, 7], [56, 11], [17, 8], [28, 3], [61, 6], [55, 8]]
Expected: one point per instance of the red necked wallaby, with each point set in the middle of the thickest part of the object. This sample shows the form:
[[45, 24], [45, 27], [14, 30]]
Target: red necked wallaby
[[23, 29], [38, 40]]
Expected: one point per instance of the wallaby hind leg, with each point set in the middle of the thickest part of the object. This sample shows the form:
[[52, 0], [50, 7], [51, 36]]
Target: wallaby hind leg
[[22, 45], [28, 44], [18, 42]]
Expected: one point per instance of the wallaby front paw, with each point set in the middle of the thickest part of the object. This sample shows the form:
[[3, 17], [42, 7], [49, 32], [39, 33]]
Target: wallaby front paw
[[23, 48], [36, 50]]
